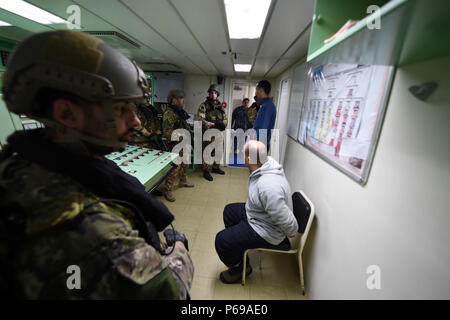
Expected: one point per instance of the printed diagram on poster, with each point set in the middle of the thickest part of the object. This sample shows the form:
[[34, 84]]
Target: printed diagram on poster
[[343, 108]]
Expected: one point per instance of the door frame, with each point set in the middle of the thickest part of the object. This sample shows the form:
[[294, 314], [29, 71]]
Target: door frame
[[229, 100]]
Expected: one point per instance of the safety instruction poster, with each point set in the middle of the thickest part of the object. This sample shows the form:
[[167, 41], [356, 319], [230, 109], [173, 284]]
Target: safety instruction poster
[[342, 113]]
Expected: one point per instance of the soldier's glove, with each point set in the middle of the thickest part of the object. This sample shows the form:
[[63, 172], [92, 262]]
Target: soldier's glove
[[218, 124], [172, 235]]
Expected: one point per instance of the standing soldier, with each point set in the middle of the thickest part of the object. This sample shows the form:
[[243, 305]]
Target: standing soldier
[[175, 118], [252, 112], [73, 224], [212, 115], [149, 133]]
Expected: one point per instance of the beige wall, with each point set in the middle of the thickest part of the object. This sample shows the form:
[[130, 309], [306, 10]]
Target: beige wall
[[400, 219], [195, 90]]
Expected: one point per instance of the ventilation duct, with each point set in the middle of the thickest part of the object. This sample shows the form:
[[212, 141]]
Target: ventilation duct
[[115, 39]]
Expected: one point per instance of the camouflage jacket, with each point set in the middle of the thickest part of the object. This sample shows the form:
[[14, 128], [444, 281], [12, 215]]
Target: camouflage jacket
[[172, 121], [150, 123], [252, 112], [210, 111], [48, 222]]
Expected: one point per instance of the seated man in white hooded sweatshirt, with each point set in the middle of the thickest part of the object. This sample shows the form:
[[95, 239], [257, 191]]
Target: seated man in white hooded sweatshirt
[[264, 221]]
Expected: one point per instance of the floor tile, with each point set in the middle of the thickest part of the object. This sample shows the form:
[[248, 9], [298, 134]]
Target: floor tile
[[261, 292]]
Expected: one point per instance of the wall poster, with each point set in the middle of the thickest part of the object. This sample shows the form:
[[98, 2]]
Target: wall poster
[[342, 112]]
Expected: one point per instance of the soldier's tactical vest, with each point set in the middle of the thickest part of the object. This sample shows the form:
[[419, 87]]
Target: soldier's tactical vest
[[154, 124], [214, 111], [252, 112], [151, 121], [181, 117]]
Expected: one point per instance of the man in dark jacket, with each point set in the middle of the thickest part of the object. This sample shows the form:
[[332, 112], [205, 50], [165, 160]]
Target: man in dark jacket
[[265, 121], [239, 119]]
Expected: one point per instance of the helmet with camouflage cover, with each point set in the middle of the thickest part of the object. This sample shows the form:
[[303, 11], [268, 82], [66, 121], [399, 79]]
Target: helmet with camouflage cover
[[214, 87], [174, 94], [76, 63]]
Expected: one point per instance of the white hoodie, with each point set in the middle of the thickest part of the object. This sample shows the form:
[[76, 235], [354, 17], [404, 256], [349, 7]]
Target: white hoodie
[[269, 203]]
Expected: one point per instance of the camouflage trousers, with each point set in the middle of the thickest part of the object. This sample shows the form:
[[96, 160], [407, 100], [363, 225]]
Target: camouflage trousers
[[180, 169], [209, 167], [205, 166]]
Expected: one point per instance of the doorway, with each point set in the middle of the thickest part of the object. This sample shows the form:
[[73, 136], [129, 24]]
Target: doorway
[[239, 91]]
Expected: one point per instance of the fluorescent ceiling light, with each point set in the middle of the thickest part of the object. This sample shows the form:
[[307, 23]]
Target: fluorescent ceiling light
[[4, 24], [30, 11], [242, 67], [246, 17]]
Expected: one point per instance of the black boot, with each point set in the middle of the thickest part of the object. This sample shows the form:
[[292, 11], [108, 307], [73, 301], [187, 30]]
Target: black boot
[[217, 170], [207, 176]]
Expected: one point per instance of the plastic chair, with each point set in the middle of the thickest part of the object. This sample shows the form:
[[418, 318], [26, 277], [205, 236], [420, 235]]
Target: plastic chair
[[304, 213]]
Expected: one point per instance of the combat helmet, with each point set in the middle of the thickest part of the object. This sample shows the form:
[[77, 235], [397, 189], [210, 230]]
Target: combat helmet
[[174, 94], [76, 63], [214, 87]]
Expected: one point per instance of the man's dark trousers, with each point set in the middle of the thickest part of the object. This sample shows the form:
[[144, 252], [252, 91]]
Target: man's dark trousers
[[239, 236]]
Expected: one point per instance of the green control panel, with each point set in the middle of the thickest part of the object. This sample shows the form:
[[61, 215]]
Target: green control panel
[[150, 167]]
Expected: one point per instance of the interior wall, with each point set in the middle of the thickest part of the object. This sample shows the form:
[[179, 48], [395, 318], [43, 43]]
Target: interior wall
[[399, 220], [196, 90]]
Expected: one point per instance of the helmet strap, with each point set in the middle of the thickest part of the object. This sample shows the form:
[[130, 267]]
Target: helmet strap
[[92, 145]]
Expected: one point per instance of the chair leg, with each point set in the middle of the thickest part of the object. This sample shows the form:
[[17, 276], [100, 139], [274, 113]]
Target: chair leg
[[302, 282], [244, 268]]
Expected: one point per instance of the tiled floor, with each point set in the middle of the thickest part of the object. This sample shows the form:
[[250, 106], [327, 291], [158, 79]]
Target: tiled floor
[[198, 214]]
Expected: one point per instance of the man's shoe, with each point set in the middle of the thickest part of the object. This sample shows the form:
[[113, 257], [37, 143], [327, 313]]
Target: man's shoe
[[217, 170], [169, 196], [234, 274], [187, 184], [207, 176]]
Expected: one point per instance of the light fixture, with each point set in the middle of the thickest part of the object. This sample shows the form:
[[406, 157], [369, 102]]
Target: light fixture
[[242, 67], [4, 24], [30, 11], [246, 17]]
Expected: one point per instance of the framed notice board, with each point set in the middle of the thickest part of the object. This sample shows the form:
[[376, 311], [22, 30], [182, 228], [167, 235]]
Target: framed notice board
[[342, 113]]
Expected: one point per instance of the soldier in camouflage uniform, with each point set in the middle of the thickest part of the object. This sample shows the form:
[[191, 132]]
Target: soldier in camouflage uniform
[[175, 118], [252, 112], [73, 225], [149, 133], [212, 115]]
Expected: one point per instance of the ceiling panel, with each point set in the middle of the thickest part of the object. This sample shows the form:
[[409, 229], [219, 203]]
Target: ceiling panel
[[299, 48], [88, 21], [223, 64], [246, 47], [243, 59], [280, 66], [262, 65], [22, 23], [288, 20], [205, 63], [125, 20], [160, 15], [14, 33], [204, 18]]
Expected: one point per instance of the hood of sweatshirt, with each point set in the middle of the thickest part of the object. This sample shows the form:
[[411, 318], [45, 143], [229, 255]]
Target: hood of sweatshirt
[[270, 167]]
